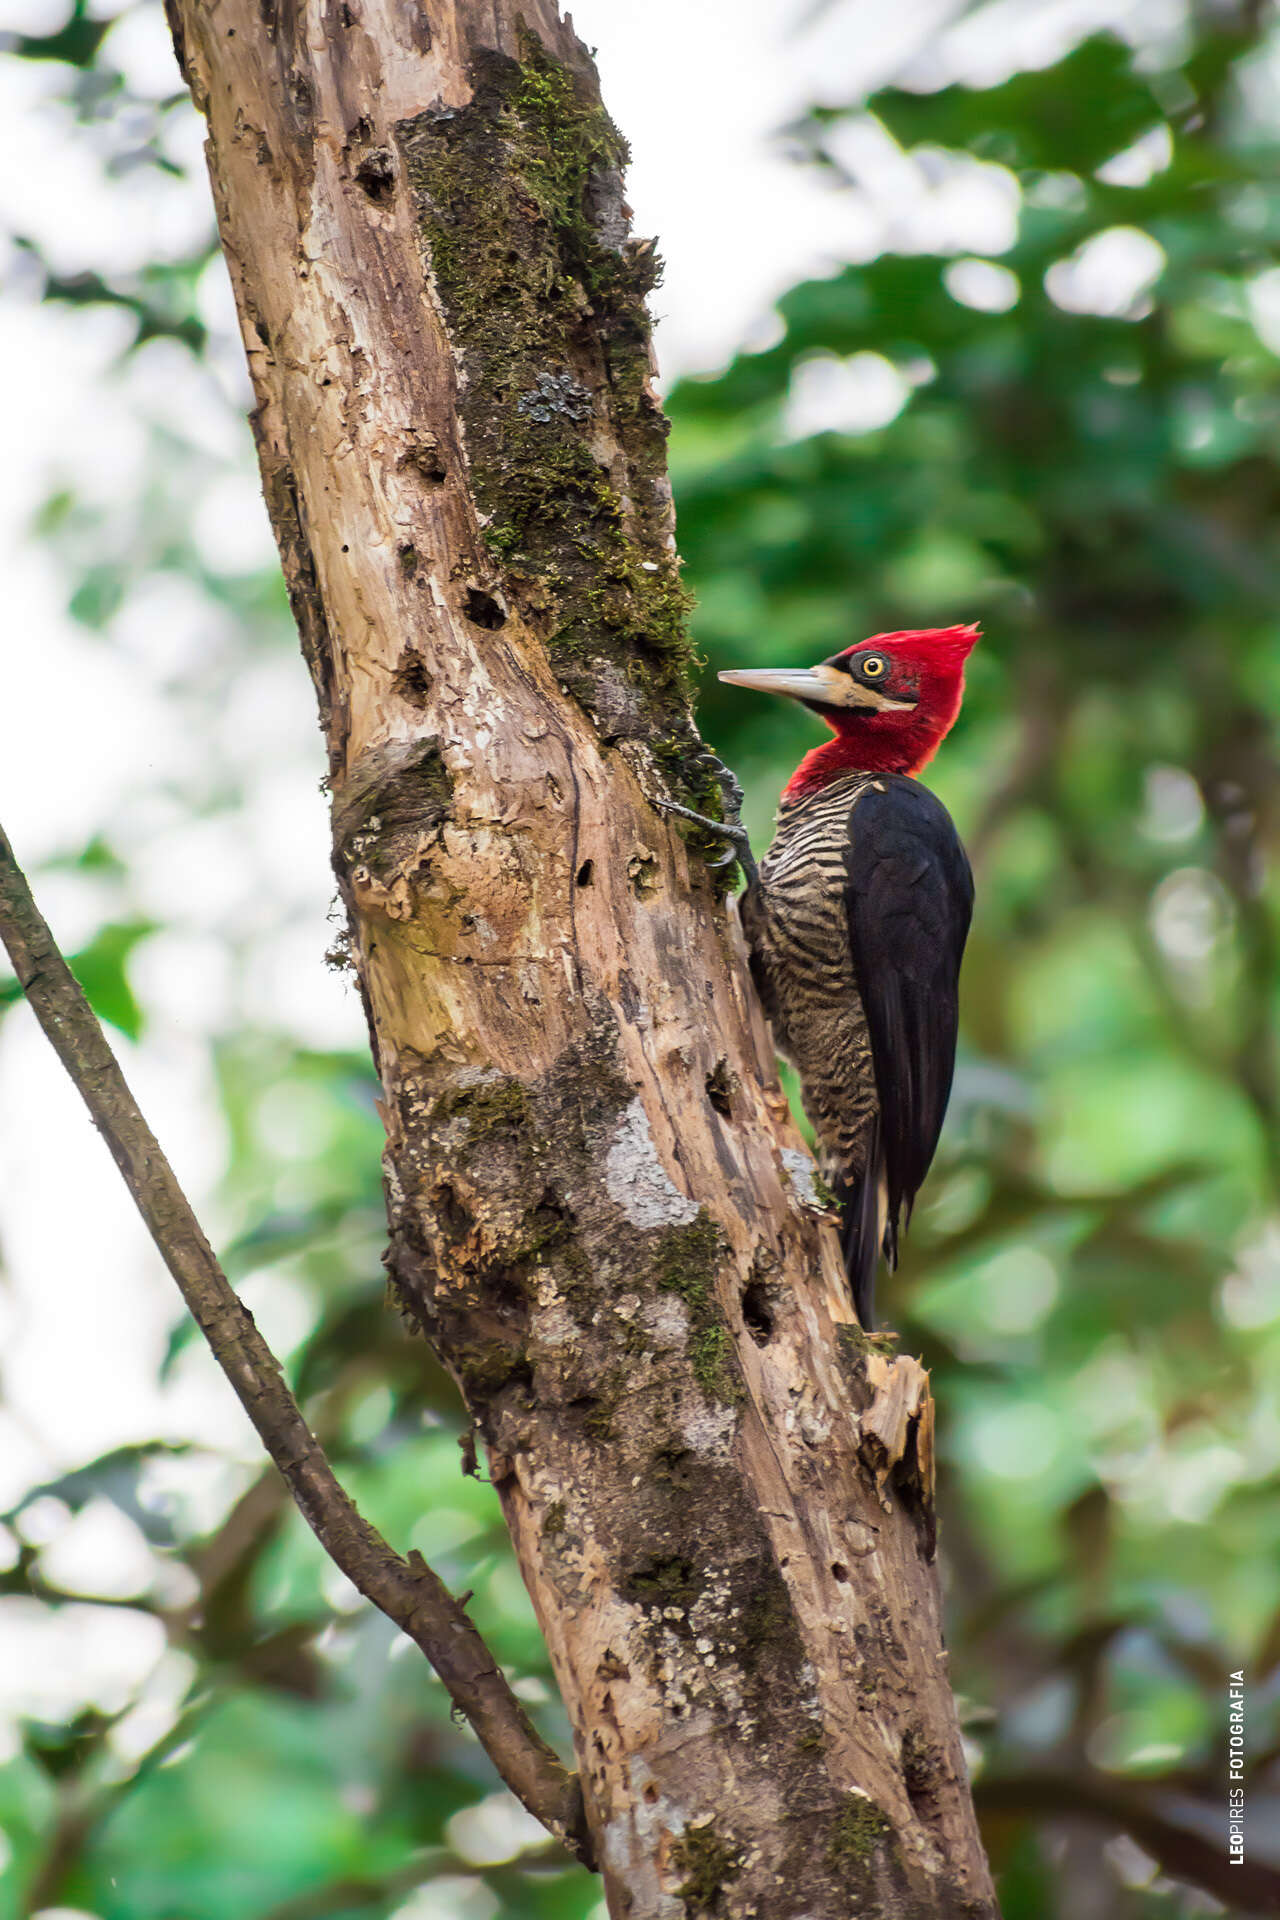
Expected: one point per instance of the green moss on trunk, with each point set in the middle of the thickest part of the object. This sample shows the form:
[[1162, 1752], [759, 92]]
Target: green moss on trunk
[[520, 209], [486, 1106], [713, 1366], [688, 1260], [708, 1864], [858, 1830]]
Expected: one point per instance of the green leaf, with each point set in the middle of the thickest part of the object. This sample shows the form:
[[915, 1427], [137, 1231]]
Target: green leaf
[[102, 970]]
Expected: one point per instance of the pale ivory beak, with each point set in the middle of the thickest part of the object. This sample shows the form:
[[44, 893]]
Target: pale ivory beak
[[822, 686], [826, 684]]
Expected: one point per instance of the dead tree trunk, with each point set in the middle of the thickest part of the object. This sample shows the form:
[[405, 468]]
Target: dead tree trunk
[[719, 1492]]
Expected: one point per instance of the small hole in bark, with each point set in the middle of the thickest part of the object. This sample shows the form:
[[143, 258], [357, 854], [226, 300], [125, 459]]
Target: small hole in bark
[[483, 610], [757, 1314], [920, 1766], [839, 1571], [424, 458], [586, 873], [721, 1084], [376, 174], [650, 1793], [673, 1463], [642, 871], [454, 1218]]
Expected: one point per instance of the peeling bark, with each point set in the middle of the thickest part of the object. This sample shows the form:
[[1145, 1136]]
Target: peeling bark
[[719, 1490]]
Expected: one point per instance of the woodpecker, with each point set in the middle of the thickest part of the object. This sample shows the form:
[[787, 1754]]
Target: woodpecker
[[856, 920]]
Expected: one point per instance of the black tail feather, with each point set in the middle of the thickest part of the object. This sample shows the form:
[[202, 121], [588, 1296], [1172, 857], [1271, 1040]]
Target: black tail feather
[[861, 1238]]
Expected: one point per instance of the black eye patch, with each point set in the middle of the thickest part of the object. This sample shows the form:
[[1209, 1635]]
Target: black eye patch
[[872, 669], [851, 663]]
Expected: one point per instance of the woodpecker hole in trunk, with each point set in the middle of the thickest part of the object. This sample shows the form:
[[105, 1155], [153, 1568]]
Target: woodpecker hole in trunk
[[376, 175], [721, 1086], [484, 611], [412, 681], [423, 458], [586, 873], [757, 1314]]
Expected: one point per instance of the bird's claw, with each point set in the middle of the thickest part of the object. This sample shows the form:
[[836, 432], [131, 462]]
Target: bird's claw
[[727, 781], [733, 831]]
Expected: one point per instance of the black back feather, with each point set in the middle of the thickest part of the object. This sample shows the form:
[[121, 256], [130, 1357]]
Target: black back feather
[[909, 898]]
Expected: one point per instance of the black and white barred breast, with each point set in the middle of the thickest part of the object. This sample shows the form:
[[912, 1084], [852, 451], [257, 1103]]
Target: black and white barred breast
[[797, 923]]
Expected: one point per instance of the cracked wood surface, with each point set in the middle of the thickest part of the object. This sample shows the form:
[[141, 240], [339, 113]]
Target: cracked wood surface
[[719, 1494]]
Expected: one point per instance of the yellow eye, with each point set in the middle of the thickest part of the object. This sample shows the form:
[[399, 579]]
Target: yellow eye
[[873, 666]]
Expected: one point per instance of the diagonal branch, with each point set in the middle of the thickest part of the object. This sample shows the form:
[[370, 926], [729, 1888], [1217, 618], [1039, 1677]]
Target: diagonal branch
[[406, 1590], [1149, 1815]]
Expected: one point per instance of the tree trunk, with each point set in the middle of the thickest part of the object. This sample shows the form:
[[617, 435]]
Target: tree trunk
[[720, 1492]]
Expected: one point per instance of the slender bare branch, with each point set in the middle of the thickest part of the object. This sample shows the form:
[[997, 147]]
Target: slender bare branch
[[406, 1590]]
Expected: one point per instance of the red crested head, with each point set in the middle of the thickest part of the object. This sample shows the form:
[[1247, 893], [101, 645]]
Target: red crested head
[[890, 701]]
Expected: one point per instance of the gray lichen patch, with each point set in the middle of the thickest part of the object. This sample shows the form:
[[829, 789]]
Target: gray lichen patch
[[809, 1184], [523, 225], [636, 1180], [556, 393]]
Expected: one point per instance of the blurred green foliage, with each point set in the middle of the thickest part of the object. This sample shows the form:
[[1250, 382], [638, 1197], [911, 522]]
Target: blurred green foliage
[[1086, 456]]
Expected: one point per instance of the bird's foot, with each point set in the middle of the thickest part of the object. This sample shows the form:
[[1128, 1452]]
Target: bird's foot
[[730, 828], [727, 781]]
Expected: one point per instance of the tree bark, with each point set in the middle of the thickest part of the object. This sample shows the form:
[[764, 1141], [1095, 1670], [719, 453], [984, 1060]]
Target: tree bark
[[719, 1490]]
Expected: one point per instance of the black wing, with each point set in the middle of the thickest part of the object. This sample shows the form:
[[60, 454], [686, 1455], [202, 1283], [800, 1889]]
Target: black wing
[[909, 897]]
